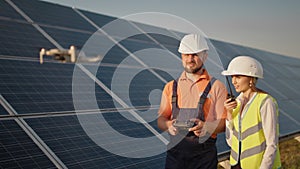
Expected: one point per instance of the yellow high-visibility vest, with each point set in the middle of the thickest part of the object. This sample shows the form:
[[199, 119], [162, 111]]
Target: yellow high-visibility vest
[[249, 130]]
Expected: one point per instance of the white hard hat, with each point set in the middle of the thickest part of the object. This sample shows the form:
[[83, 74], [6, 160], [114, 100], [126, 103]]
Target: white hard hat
[[192, 43], [244, 65]]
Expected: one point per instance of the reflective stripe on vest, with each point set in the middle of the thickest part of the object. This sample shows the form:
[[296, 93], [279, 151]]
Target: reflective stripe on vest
[[253, 142]]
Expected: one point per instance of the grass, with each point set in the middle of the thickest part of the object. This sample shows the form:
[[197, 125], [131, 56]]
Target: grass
[[289, 154]]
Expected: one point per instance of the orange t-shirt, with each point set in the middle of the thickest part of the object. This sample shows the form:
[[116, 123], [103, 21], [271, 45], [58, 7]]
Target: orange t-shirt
[[188, 94]]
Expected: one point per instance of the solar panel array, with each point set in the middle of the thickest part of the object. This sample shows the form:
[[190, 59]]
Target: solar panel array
[[41, 127]]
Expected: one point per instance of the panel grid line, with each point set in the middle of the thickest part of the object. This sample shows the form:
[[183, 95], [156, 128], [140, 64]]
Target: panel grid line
[[31, 133], [120, 101]]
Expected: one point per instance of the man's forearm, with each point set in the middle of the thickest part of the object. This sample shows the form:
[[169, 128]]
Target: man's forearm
[[163, 123], [215, 127]]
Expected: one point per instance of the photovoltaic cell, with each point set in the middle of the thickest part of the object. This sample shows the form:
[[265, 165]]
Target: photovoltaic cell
[[134, 46], [136, 93], [289, 107], [133, 129], [66, 38], [173, 44], [38, 91], [70, 143], [17, 150], [99, 19], [222, 146], [7, 11], [3, 111], [21, 39], [141, 87], [161, 35], [34, 88], [293, 122], [53, 14]]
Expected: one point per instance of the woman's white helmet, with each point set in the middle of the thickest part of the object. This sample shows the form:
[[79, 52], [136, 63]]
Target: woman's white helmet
[[192, 43], [244, 65]]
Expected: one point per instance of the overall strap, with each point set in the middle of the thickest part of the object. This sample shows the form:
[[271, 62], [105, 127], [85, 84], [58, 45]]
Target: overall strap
[[174, 99], [203, 98]]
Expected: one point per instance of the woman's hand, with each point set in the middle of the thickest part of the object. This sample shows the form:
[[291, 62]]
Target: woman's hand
[[229, 106]]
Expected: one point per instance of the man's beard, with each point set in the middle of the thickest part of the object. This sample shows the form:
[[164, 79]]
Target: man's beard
[[195, 70]]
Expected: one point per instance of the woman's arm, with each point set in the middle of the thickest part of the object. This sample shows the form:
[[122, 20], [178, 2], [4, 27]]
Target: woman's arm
[[269, 123]]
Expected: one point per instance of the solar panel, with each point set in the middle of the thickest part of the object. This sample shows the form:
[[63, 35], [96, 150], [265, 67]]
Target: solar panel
[[65, 136], [66, 38], [103, 114], [3, 111], [8, 12], [161, 35], [222, 146], [289, 124], [53, 14], [99, 19], [21, 39], [17, 150], [35, 88]]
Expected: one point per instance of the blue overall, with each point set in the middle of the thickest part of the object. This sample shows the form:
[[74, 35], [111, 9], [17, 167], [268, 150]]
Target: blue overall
[[185, 151]]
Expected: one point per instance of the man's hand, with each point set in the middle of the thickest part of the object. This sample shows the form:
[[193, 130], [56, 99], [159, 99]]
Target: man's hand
[[171, 129], [198, 129]]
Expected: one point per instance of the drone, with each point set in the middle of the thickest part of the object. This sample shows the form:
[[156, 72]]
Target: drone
[[67, 55]]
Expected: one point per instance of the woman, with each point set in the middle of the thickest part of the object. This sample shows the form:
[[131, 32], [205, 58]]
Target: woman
[[252, 118]]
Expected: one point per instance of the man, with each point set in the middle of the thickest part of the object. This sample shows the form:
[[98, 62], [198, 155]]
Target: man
[[181, 105]]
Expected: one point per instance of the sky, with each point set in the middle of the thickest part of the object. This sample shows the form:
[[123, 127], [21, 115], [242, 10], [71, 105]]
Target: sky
[[269, 25]]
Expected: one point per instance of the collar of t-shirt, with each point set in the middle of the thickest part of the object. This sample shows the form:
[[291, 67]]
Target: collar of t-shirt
[[204, 75]]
